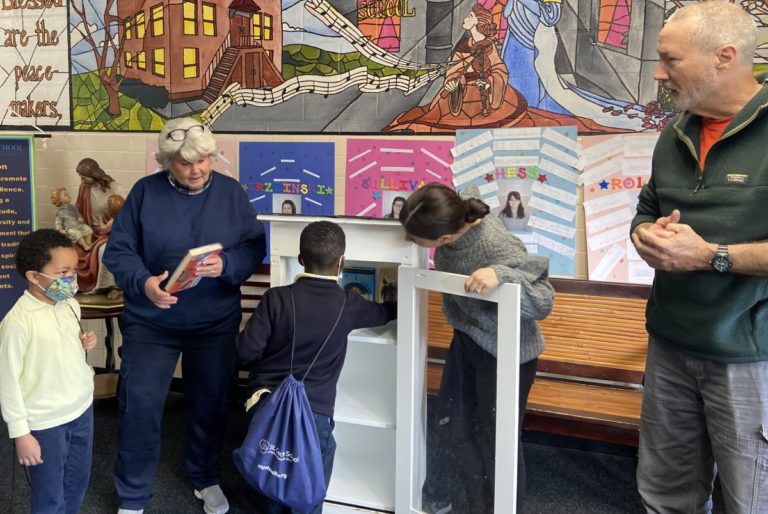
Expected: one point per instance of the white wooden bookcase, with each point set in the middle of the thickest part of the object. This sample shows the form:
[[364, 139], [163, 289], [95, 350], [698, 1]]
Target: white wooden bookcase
[[366, 414], [381, 400]]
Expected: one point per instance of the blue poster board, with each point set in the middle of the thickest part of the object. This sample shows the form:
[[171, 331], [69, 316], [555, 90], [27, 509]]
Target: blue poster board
[[17, 214], [528, 176], [288, 178]]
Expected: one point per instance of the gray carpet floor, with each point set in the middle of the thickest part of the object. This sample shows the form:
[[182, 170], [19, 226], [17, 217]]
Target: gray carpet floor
[[564, 476]]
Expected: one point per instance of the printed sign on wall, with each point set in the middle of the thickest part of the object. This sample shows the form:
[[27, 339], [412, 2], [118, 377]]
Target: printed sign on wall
[[17, 216], [34, 77]]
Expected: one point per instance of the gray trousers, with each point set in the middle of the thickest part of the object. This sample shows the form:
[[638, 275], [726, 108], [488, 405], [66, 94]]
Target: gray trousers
[[701, 419]]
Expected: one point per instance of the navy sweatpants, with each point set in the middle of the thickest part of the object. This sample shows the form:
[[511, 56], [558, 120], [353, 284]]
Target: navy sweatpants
[[149, 358], [60, 482]]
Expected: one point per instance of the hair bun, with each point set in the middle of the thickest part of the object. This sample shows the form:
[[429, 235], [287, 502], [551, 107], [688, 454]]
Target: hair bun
[[476, 209]]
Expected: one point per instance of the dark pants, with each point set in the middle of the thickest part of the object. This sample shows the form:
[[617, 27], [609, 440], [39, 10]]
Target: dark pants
[[324, 425], [464, 428], [60, 482], [149, 359]]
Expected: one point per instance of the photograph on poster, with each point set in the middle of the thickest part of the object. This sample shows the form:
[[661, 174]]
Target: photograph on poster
[[513, 209], [286, 204], [392, 202]]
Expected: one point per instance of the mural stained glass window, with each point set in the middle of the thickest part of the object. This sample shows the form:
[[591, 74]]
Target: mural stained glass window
[[209, 20], [262, 27], [379, 21], [140, 27], [190, 18], [158, 20], [614, 22], [190, 63], [158, 66]]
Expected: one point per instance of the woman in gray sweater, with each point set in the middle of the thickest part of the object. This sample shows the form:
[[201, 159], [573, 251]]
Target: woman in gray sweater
[[469, 242]]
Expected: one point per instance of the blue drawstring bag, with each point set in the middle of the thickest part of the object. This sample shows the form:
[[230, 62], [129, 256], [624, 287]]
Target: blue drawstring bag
[[280, 457]]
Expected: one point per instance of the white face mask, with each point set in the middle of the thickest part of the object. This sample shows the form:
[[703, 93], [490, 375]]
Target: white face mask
[[339, 268]]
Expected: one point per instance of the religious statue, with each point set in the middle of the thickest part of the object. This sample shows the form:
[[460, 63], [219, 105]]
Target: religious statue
[[98, 203], [69, 222]]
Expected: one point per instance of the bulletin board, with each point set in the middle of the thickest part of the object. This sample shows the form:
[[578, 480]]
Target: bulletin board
[[615, 168], [299, 176], [540, 165], [17, 212]]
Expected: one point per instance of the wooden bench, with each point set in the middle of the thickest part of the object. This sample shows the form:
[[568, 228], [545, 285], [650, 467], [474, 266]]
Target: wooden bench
[[588, 382]]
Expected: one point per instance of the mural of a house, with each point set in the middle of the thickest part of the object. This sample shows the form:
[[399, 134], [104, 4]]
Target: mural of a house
[[196, 49]]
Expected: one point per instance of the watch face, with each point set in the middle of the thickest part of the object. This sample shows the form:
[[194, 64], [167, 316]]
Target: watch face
[[721, 263]]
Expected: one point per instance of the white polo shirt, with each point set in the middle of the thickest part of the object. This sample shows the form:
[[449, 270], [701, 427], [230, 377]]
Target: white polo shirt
[[44, 379]]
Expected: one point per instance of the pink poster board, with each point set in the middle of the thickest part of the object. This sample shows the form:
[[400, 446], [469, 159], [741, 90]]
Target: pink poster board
[[381, 173], [613, 173]]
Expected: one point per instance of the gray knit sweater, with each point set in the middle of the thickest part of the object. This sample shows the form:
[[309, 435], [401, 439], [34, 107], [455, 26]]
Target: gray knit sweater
[[489, 245]]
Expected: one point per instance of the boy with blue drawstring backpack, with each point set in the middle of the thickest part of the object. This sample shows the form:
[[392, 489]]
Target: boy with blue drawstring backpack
[[301, 330]]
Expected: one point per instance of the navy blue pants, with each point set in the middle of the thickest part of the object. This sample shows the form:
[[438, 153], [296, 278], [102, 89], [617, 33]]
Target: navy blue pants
[[462, 456], [60, 482], [324, 425], [149, 358]]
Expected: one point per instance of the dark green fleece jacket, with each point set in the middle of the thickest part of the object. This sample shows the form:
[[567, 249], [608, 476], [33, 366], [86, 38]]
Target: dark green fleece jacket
[[712, 316]]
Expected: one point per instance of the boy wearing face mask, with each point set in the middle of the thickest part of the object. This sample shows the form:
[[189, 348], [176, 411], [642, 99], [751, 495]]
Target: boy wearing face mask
[[265, 342], [46, 386]]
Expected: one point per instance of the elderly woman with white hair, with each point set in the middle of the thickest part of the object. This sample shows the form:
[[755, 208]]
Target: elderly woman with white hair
[[166, 214]]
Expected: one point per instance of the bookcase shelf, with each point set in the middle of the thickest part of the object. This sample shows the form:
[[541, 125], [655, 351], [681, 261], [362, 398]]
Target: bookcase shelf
[[386, 334], [369, 446], [364, 468], [367, 385]]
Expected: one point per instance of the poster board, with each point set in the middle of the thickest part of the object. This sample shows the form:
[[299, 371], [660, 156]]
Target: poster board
[[382, 171], [17, 214], [614, 169], [539, 167], [288, 178]]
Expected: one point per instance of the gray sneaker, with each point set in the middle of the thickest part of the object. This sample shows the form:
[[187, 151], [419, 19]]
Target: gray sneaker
[[437, 507], [214, 501]]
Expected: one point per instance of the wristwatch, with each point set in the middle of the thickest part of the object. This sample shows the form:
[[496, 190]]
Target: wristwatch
[[722, 261]]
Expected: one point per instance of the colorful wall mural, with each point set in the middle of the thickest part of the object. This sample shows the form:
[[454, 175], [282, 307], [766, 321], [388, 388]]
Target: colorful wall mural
[[337, 66]]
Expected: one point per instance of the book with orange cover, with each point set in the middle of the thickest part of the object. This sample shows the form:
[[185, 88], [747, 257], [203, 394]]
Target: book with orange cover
[[184, 276]]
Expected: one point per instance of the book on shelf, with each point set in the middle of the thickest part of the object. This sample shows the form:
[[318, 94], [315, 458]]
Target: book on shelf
[[184, 275], [361, 280], [386, 285]]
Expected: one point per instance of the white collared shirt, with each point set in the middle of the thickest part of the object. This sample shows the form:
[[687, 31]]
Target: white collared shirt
[[44, 379]]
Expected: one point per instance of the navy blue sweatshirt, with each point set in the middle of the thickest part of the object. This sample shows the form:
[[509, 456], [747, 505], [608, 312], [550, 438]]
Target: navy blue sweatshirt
[[154, 230], [266, 338]]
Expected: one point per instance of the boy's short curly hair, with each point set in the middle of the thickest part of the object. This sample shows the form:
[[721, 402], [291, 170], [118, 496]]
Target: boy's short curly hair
[[34, 250], [321, 245]]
